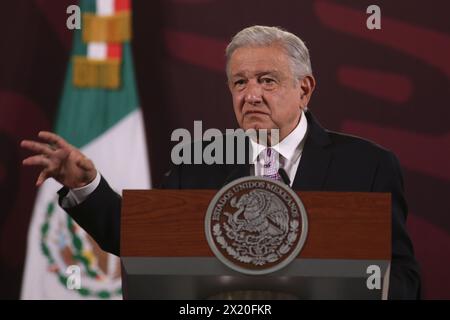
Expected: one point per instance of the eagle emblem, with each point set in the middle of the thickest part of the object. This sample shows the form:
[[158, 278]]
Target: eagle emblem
[[256, 225]]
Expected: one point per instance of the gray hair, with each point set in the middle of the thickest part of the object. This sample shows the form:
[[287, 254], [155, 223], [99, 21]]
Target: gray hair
[[261, 36]]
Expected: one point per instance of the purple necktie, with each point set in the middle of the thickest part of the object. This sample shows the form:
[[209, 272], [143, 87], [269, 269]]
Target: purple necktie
[[271, 165]]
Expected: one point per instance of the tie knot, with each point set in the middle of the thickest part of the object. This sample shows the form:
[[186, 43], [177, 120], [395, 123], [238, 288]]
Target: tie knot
[[271, 152], [271, 164]]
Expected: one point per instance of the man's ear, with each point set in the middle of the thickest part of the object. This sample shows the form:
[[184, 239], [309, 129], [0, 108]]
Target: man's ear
[[307, 85]]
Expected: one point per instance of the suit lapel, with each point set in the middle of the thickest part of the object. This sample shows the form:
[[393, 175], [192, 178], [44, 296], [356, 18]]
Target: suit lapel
[[316, 158]]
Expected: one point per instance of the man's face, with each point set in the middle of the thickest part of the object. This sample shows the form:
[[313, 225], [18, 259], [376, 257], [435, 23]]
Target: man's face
[[265, 93]]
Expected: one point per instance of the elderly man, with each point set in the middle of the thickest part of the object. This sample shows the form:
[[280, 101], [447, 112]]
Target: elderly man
[[271, 82]]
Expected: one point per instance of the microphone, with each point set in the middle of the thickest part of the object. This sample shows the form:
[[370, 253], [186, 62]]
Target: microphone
[[284, 176]]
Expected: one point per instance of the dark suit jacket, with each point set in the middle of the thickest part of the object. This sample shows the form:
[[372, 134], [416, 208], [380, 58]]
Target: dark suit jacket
[[330, 162]]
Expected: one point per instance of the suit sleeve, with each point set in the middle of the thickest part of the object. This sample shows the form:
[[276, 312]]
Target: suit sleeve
[[99, 216], [404, 282]]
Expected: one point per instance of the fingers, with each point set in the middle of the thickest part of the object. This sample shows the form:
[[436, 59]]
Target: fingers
[[38, 160], [37, 147], [53, 138], [42, 177]]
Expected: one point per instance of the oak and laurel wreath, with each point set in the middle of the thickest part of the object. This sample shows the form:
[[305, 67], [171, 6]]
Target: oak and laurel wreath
[[292, 235], [77, 255]]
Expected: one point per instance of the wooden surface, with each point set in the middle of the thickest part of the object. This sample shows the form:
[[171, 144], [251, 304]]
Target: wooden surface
[[170, 223]]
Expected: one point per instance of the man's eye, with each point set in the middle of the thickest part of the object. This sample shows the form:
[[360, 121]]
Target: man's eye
[[239, 82], [267, 81]]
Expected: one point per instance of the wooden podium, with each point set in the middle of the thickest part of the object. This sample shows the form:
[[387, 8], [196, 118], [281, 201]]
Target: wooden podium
[[165, 254]]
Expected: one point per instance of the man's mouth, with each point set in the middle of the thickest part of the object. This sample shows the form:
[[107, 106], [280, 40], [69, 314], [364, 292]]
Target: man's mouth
[[255, 112]]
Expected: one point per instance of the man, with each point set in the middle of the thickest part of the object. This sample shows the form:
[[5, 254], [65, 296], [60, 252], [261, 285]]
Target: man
[[271, 82]]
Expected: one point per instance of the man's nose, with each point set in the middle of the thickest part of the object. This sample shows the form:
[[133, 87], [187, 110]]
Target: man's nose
[[253, 94]]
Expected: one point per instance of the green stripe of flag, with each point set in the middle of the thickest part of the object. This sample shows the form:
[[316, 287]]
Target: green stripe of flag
[[85, 114]]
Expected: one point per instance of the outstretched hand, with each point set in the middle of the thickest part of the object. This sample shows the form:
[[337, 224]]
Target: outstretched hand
[[59, 160]]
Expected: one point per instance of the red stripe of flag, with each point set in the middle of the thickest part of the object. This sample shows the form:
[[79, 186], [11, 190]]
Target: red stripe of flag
[[114, 51], [122, 5]]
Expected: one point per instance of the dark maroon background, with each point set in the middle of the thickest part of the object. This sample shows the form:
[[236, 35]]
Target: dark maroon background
[[391, 86]]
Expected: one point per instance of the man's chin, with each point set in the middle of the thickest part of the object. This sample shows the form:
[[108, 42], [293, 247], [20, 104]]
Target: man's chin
[[257, 125]]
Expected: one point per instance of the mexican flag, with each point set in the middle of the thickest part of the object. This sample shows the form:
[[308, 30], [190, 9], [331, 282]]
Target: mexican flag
[[99, 113]]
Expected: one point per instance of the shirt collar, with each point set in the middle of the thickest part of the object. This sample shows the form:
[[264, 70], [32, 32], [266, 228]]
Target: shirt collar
[[291, 146]]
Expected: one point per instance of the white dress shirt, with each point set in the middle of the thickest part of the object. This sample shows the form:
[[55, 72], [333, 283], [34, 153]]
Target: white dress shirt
[[289, 149], [78, 195]]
